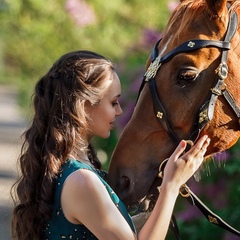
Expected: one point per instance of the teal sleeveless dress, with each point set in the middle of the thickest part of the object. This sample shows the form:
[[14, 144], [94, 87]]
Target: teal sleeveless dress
[[58, 227]]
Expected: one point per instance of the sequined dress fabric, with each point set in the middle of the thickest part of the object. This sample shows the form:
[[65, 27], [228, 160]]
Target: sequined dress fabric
[[58, 227]]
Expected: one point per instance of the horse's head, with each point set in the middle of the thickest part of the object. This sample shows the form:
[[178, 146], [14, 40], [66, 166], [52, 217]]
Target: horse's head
[[183, 95]]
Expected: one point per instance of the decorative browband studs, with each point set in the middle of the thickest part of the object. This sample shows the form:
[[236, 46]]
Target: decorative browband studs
[[212, 219], [152, 69], [159, 115], [203, 116], [191, 44]]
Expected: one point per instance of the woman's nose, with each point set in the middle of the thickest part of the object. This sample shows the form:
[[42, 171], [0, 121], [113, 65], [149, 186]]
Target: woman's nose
[[119, 110]]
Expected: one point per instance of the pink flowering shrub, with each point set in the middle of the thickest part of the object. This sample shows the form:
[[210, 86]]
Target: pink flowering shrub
[[81, 13]]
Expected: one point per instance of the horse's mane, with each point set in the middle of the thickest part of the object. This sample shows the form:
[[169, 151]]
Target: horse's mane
[[186, 10], [184, 13]]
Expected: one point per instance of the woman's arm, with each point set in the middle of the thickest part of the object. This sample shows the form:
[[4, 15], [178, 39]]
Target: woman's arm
[[85, 200]]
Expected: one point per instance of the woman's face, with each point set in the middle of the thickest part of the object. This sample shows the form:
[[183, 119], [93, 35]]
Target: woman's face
[[104, 114]]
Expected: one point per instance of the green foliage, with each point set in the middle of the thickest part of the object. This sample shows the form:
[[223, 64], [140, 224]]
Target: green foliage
[[35, 33]]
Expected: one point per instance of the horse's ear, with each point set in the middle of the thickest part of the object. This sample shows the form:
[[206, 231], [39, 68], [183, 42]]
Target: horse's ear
[[216, 7]]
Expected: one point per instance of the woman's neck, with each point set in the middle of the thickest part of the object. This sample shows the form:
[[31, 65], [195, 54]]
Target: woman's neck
[[80, 156]]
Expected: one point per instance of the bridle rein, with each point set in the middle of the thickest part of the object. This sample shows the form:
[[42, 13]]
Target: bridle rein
[[205, 112]]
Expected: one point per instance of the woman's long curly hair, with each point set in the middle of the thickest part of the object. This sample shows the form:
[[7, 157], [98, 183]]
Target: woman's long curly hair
[[58, 126]]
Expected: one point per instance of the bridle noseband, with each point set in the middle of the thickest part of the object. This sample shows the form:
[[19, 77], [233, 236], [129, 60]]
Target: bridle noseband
[[205, 112]]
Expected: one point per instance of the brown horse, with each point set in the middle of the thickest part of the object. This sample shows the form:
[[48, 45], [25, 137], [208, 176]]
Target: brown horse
[[191, 88]]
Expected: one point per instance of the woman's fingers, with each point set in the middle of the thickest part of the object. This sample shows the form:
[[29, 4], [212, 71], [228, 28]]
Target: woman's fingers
[[181, 167], [180, 149], [195, 155], [200, 147]]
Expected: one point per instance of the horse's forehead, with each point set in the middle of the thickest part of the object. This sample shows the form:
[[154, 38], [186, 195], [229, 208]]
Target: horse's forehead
[[165, 46]]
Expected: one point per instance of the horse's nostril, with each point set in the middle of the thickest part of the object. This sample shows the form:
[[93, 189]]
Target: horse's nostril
[[123, 185], [123, 189], [124, 182]]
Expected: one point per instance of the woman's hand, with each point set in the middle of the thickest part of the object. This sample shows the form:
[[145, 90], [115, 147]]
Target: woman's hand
[[180, 168]]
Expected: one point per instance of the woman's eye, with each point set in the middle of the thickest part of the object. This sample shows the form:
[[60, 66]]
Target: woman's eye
[[186, 77], [115, 103]]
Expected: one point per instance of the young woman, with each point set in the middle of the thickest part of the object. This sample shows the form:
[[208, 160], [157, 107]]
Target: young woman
[[61, 193]]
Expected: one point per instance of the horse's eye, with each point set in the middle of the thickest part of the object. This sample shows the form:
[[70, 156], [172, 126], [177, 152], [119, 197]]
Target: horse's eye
[[186, 77]]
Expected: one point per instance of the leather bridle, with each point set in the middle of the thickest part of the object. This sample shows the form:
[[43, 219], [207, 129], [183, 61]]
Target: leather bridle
[[205, 112]]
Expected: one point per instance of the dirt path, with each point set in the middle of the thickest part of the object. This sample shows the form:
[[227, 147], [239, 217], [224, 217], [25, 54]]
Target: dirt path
[[12, 124]]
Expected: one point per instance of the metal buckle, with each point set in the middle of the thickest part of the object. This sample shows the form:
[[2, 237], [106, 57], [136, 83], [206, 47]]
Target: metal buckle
[[222, 70], [216, 91], [161, 168], [184, 187]]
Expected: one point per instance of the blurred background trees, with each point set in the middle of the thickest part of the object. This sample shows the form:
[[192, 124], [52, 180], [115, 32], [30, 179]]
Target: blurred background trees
[[35, 33]]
